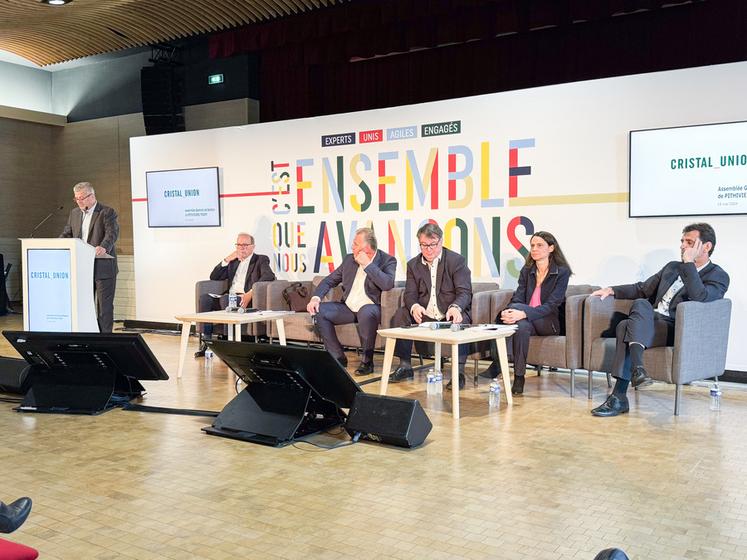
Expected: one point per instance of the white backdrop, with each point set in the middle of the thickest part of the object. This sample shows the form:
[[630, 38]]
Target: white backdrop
[[566, 147]]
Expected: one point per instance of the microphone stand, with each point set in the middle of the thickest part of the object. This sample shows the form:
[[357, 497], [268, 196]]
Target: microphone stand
[[40, 224], [31, 236]]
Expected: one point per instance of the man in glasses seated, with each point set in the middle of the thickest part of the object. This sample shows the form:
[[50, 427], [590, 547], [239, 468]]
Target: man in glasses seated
[[438, 288], [242, 268]]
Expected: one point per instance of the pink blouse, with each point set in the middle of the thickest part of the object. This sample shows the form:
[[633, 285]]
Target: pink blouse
[[535, 301]]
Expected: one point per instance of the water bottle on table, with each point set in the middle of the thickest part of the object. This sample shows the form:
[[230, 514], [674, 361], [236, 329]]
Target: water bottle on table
[[233, 301]]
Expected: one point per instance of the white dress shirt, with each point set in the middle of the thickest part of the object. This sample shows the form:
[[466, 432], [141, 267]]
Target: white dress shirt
[[87, 215], [666, 299], [239, 279], [432, 309], [357, 297]]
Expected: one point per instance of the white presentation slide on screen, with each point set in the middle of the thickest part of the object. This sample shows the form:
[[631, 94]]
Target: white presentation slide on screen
[[689, 171], [183, 198], [50, 296]]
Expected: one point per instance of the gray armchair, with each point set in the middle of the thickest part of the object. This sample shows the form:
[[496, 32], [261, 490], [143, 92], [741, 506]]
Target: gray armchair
[[700, 341], [565, 349]]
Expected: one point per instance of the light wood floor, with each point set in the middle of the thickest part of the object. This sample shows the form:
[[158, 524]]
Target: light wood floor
[[543, 480]]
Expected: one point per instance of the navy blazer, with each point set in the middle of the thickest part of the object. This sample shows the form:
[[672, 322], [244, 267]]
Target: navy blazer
[[379, 277], [709, 284], [103, 231], [453, 282], [259, 271], [552, 294]]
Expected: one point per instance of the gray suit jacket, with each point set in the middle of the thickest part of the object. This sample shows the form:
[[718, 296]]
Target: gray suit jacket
[[103, 231], [709, 284], [379, 277]]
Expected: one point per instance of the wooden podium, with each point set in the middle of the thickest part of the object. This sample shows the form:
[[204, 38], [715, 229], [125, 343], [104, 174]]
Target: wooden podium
[[58, 285]]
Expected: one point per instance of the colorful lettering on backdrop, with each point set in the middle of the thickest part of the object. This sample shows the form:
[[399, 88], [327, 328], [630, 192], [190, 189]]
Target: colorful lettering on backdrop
[[395, 191]]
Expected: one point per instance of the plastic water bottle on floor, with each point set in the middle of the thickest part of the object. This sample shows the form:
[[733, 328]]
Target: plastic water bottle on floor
[[494, 397], [209, 353], [438, 383], [430, 382], [715, 397]]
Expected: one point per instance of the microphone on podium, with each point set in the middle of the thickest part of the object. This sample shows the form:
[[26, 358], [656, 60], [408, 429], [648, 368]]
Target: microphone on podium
[[52, 213]]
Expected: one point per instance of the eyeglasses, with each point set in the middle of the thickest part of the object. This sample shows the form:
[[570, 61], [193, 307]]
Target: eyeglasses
[[430, 245], [82, 198], [244, 245]]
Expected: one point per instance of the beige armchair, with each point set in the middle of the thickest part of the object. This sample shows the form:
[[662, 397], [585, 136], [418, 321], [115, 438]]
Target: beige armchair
[[700, 342]]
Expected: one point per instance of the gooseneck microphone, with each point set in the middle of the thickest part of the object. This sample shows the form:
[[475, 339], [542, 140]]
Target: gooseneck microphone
[[52, 213]]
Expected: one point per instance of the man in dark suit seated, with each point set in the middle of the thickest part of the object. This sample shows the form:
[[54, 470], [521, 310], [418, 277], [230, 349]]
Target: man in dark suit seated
[[242, 268], [438, 288], [97, 225], [364, 274], [693, 278]]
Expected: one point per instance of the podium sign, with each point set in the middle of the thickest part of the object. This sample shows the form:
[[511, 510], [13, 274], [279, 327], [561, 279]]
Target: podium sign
[[48, 272], [58, 285]]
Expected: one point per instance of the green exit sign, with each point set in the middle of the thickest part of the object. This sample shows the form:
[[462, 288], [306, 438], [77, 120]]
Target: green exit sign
[[215, 79]]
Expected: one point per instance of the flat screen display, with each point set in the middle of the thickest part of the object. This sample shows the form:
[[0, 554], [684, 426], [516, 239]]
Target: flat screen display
[[183, 198], [49, 289], [689, 171]]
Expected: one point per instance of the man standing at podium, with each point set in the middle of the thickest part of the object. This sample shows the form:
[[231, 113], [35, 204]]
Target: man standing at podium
[[97, 225]]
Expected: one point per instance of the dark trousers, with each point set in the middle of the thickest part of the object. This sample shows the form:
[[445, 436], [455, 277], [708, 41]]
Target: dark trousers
[[208, 303], [333, 313], [644, 326], [103, 290], [518, 344], [403, 348]]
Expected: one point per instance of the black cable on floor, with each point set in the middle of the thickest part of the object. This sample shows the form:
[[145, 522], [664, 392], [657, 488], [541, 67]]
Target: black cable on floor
[[165, 410]]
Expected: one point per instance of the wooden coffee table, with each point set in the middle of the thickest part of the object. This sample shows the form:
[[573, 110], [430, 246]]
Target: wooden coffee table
[[234, 322], [454, 338]]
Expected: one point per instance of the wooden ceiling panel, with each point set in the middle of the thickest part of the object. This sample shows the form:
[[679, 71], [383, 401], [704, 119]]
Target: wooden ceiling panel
[[51, 34]]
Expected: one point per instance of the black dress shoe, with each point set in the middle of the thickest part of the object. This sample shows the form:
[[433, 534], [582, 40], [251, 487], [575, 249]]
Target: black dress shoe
[[365, 368], [343, 361], [493, 371], [13, 515], [614, 405], [517, 387], [640, 378], [401, 374], [201, 352], [462, 382]]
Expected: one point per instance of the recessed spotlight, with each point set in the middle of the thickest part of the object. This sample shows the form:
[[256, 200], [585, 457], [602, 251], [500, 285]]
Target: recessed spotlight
[[55, 2]]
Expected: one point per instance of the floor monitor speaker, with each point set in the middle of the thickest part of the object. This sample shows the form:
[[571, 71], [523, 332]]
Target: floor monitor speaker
[[14, 376], [391, 420]]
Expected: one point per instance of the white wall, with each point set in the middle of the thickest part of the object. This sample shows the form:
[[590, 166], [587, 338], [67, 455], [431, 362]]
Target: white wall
[[25, 88], [580, 134]]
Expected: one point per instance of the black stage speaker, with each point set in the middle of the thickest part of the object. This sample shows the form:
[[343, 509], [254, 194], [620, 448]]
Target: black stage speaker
[[162, 89], [14, 376], [390, 420]]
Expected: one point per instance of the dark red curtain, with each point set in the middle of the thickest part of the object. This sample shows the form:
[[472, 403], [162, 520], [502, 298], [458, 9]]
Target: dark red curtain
[[371, 54]]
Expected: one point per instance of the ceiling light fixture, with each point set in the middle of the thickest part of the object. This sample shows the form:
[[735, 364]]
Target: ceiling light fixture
[[55, 2]]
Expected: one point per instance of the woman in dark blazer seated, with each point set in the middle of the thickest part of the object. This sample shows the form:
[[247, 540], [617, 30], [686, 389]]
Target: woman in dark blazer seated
[[535, 305]]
